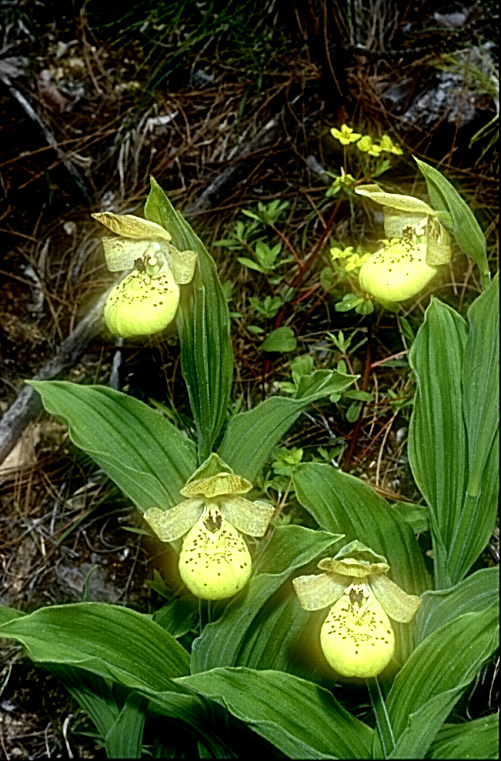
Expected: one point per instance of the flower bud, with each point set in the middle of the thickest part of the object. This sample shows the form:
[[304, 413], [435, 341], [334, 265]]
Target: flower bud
[[215, 562], [356, 637], [397, 272], [142, 304]]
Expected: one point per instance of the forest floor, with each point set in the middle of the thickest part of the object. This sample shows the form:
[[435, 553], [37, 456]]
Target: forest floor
[[91, 107]]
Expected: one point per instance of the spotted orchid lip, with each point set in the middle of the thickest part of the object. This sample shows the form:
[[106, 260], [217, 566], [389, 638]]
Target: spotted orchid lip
[[142, 304], [356, 637], [397, 272], [215, 562]]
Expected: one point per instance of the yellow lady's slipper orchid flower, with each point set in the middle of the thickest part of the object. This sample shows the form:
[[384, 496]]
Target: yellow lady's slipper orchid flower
[[403, 212], [356, 637], [418, 243], [215, 562], [345, 135], [399, 270], [146, 300]]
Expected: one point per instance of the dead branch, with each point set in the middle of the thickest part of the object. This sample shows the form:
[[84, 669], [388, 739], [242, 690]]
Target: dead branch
[[30, 112], [219, 188], [28, 403]]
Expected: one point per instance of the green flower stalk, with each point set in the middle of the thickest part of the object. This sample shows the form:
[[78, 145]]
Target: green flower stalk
[[418, 243], [356, 637], [214, 562], [146, 300]]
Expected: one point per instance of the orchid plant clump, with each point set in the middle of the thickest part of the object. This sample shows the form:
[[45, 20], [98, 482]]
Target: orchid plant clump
[[254, 651]]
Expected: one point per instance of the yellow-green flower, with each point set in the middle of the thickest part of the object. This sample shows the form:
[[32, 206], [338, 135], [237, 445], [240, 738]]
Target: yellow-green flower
[[351, 260], [387, 144], [398, 270], [341, 253], [356, 637], [215, 562], [146, 300], [355, 261], [345, 135], [366, 145], [418, 243]]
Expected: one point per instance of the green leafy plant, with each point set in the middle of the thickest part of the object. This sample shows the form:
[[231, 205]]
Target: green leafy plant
[[270, 262], [236, 664]]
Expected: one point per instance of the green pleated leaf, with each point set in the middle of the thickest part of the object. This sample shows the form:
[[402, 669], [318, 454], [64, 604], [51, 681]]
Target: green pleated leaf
[[475, 594], [125, 737], [144, 454], [473, 739], [203, 323], [480, 383], [416, 515], [108, 640], [453, 436], [114, 643], [423, 725], [466, 230], [262, 627], [251, 436], [9, 614], [300, 718], [92, 692], [178, 616], [84, 644], [437, 435], [434, 677], [343, 504]]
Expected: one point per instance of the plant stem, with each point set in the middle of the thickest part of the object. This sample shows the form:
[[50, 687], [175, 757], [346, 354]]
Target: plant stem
[[384, 728], [300, 275], [486, 279], [365, 384]]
